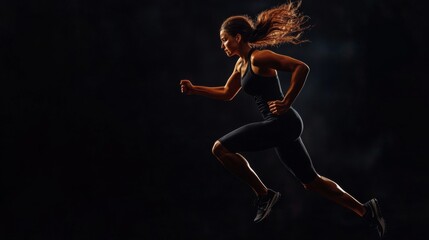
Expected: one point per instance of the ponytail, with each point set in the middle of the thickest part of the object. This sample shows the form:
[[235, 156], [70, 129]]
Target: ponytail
[[275, 26]]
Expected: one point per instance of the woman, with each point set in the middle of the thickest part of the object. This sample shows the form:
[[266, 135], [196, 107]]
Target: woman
[[256, 73]]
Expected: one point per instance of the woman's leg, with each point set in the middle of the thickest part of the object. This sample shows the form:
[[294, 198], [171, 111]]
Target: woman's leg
[[239, 166], [334, 192], [295, 156]]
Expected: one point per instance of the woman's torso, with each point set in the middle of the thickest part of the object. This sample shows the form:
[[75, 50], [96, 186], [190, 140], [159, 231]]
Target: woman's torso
[[262, 88]]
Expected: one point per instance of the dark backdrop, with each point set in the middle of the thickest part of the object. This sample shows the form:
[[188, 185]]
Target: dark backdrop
[[98, 143]]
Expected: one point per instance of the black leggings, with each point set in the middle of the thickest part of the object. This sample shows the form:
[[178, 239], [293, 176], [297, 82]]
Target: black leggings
[[283, 134]]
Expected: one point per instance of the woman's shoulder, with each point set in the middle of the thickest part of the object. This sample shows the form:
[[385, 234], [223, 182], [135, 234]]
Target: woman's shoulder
[[261, 56], [261, 53], [238, 65]]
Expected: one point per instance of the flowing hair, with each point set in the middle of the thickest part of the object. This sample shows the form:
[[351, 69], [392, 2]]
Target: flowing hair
[[275, 26]]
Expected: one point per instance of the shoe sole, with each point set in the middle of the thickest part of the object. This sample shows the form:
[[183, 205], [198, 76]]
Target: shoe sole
[[276, 197], [381, 225]]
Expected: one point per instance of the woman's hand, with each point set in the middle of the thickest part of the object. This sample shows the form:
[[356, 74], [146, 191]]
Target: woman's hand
[[186, 87], [278, 107]]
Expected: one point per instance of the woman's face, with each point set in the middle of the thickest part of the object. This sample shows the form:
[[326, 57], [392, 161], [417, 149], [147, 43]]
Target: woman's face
[[228, 43]]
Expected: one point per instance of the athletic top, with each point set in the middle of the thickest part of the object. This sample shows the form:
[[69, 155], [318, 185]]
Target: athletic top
[[263, 89]]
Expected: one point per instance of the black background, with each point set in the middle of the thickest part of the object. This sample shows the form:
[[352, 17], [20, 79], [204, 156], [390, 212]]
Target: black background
[[98, 143]]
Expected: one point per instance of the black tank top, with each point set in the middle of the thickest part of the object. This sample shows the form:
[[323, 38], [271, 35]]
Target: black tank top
[[263, 89]]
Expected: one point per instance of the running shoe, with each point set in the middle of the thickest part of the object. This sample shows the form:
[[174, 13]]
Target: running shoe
[[373, 216], [265, 203]]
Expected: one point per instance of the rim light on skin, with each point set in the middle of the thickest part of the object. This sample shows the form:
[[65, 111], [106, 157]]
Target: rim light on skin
[[232, 45], [228, 43]]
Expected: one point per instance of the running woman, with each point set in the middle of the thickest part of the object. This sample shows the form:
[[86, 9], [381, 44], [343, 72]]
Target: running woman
[[256, 73]]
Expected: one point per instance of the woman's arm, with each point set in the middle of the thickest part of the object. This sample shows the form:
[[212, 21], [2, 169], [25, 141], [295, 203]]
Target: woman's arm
[[226, 92], [268, 59]]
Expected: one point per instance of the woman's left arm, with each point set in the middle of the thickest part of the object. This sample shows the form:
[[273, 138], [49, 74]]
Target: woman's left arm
[[268, 59]]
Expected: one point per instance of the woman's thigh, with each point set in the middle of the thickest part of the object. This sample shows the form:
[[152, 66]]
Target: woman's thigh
[[295, 157], [251, 137]]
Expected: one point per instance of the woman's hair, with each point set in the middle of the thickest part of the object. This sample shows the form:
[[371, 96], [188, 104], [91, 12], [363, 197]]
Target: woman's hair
[[275, 26]]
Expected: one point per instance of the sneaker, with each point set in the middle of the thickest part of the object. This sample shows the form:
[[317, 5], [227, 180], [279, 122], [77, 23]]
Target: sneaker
[[265, 203], [374, 217]]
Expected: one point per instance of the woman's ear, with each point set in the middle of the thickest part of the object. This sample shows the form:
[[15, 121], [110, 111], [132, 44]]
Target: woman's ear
[[238, 37]]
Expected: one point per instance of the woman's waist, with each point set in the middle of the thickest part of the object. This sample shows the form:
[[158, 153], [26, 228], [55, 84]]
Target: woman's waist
[[291, 113]]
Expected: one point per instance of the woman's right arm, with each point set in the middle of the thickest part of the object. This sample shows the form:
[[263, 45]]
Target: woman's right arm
[[225, 93]]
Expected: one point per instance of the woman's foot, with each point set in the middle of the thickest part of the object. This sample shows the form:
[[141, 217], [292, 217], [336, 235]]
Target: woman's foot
[[373, 216], [265, 203]]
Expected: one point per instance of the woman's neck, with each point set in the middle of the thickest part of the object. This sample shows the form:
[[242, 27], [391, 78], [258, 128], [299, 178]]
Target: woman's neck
[[244, 51]]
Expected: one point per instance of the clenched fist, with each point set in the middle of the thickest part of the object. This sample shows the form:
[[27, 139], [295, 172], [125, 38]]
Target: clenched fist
[[186, 87], [278, 107]]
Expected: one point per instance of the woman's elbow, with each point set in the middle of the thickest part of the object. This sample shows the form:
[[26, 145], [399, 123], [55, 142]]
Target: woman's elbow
[[304, 68], [230, 94], [228, 98]]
